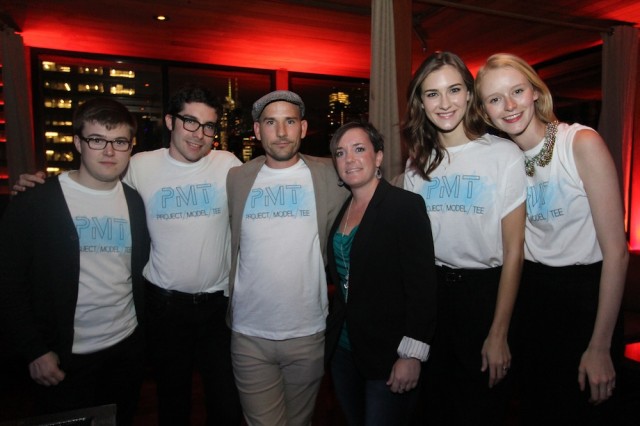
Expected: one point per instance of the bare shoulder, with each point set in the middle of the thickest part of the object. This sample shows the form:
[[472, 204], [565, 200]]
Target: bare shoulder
[[587, 134], [590, 149]]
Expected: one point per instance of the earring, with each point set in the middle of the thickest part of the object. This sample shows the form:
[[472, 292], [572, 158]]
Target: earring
[[340, 182], [378, 173]]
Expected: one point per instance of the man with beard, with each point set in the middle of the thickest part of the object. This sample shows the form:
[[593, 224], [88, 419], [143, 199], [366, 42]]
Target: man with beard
[[282, 206]]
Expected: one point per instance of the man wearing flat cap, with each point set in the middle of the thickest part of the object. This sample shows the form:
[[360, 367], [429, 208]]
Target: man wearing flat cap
[[282, 205]]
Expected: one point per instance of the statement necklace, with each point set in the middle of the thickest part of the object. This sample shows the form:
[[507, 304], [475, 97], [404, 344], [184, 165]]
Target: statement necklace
[[346, 278], [545, 155]]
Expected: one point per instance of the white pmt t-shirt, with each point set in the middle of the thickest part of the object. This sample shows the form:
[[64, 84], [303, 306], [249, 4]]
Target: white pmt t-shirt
[[188, 219], [280, 287], [105, 313], [470, 192]]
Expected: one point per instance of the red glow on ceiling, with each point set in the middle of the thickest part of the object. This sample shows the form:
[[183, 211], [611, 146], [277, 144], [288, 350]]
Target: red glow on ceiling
[[317, 58]]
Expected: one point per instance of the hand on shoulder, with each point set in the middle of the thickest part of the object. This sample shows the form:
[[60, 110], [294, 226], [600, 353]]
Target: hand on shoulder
[[28, 180]]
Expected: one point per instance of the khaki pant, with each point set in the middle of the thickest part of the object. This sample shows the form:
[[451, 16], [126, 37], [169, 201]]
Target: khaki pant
[[278, 380]]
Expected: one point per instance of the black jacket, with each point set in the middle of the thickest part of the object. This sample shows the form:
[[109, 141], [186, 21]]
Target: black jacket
[[40, 264], [392, 282]]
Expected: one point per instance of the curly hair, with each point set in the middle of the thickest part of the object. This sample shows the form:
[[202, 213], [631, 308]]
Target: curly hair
[[192, 93]]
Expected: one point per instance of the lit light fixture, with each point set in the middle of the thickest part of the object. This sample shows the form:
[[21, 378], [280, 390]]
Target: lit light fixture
[[161, 17]]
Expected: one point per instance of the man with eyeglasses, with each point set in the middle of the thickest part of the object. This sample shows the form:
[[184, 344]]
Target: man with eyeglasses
[[71, 288], [183, 188], [187, 277]]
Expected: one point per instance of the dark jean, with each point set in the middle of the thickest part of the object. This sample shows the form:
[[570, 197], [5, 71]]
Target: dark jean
[[111, 376], [185, 335], [368, 402]]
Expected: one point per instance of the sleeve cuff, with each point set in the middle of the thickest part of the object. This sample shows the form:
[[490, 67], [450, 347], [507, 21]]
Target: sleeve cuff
[[411, 348]]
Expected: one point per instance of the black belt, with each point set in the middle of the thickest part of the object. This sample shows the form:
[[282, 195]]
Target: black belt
[[190, 298], [450, 275]]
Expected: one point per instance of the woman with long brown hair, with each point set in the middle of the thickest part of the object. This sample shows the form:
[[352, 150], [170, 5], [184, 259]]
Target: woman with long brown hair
[[474, 189]]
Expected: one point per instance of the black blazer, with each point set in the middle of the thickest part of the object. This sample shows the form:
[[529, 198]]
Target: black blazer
[[392, 281], [40, 264]]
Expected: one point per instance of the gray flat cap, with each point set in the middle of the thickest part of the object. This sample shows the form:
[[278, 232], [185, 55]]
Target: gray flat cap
[[278, 95]]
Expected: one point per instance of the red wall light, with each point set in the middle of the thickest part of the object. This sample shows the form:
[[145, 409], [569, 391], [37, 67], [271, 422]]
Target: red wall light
[[633, 206], [632, 351]]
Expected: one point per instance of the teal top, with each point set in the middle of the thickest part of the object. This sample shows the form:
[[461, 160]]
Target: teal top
[[341, 250]]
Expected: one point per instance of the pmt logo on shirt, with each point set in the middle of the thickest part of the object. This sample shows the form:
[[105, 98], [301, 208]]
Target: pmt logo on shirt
[[278, 201], [540, 203], [185, 202], [455, 194], [103, 234]]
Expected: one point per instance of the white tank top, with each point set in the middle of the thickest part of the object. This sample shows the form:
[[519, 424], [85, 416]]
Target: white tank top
[[559, 229]]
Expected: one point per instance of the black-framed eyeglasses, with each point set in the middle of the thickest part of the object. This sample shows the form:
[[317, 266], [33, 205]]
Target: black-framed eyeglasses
[[192, 125], [100, 143]]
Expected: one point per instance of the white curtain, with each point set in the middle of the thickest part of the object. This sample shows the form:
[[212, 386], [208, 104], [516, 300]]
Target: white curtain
[[619, 82], [383, 93], [17, 110]]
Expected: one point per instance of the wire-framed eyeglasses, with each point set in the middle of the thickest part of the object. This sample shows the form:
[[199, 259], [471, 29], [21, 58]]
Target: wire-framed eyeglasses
[[192, 125], [100, 143]]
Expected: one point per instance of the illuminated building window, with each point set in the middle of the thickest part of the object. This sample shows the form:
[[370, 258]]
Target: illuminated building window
[[119, 89], [91, 88], [66, 156], [52, 66], [57, 85], [122, 73], [58, 103], [58, 123], [90, 70], [339, 97], [55, 137]]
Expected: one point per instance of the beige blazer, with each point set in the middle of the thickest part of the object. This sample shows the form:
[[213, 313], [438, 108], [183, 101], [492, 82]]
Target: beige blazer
[[329, 199]]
